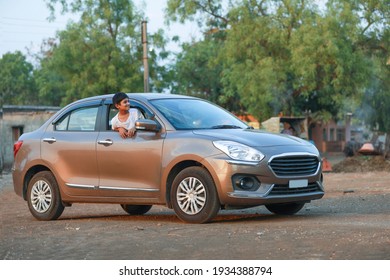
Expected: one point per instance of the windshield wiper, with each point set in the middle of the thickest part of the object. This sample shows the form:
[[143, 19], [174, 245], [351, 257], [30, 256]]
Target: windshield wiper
[[223, 126]]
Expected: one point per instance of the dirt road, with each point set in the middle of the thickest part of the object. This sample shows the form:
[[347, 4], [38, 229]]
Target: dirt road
[[351, 222]]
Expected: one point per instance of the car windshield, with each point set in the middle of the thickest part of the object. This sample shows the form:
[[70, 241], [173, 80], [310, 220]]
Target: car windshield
[[196, 114]]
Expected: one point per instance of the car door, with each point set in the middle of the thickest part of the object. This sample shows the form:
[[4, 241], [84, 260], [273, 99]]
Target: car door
[[69, 148], [129, 167]]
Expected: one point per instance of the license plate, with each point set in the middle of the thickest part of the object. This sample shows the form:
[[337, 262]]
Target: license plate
[[298, 183]]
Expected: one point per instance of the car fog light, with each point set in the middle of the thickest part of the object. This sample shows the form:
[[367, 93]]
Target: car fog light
[[246, 183]]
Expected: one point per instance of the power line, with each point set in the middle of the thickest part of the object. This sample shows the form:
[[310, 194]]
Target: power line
[[30, 19], [27, 23]]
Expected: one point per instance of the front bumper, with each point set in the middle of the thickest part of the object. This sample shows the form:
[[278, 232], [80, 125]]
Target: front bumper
[[278, 194], [270, 187]]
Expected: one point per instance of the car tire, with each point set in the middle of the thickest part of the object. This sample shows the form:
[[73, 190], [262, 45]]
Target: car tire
[[193, 196], [285, 208], [43, 197], [136, 209]]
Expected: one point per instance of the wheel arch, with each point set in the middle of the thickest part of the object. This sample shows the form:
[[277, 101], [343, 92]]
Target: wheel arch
[[29, 174], [173, 173]]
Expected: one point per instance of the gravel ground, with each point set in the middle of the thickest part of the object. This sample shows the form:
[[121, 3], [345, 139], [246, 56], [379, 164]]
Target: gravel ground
[[351, 222]]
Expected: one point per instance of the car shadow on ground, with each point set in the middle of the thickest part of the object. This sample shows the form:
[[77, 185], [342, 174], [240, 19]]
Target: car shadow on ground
[[170, 217]]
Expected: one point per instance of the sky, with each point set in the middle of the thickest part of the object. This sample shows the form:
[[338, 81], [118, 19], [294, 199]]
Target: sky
[[24, 24]]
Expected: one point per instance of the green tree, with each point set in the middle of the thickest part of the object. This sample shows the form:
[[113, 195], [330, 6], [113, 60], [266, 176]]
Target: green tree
[[17, 85], [197, 72], [101, 53], [198, 68], [284, 56], [203, 11]]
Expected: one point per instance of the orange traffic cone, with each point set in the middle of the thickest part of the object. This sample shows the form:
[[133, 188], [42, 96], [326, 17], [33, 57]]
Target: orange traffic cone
[[326, 166]]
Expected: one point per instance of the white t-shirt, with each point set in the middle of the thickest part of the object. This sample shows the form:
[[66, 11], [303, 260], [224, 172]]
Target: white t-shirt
[[130, 122]]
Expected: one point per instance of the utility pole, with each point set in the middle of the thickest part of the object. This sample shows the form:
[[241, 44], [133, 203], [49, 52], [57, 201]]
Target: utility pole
[[145, 56]]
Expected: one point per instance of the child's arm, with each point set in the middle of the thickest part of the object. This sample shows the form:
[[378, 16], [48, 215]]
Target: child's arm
[[122, 131]]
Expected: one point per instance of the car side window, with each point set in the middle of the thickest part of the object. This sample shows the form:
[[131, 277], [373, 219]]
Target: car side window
[[63, 123], [83, 119]]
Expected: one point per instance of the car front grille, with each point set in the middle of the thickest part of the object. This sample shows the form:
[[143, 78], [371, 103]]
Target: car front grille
[[285, 190], [294, 165]]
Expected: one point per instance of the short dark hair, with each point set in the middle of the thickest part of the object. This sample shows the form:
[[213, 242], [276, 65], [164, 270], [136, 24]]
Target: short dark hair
[[118, 97]]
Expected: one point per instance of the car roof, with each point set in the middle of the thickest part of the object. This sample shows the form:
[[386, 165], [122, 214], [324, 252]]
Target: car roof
[[138, 96]]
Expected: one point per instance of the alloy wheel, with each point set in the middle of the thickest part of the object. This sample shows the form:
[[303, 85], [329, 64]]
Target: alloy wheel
[[191, 195], [41, 196]]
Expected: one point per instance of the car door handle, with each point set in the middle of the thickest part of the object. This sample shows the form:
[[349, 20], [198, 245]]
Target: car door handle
[[49, 140], [106, 142]]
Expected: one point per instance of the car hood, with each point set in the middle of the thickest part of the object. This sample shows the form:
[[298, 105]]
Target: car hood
[[253, 137]]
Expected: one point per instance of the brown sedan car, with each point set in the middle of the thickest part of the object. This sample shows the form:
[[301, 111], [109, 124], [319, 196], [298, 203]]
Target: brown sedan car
[[187, 154]]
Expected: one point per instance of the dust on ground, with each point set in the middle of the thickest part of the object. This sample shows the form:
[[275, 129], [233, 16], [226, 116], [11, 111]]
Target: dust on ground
[[362, 163]]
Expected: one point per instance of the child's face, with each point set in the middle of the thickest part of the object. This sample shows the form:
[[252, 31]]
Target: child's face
[[123, 105]]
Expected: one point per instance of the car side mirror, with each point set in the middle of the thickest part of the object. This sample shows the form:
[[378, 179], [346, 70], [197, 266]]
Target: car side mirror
[[147, 125]]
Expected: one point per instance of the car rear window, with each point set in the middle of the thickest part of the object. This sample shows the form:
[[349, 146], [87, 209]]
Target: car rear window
[[83, 119]]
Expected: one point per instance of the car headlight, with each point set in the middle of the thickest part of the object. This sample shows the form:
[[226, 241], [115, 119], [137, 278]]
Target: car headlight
[[239, 151]]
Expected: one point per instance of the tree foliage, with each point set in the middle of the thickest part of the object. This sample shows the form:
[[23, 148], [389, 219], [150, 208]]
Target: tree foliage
[[203, 11], [17, 84], [198, 69], [196, 73]]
